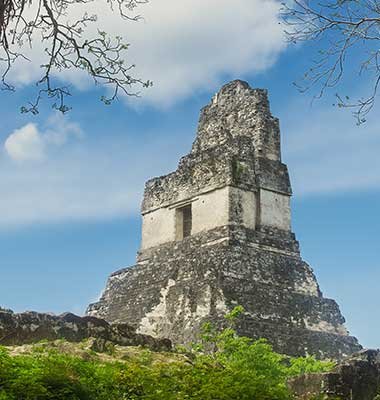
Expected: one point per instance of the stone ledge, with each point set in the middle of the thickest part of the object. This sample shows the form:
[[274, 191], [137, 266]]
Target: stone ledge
[[355, 378], [266, 238]]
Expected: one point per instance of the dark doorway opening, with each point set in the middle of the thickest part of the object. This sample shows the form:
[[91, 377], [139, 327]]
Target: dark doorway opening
[[184, 222]]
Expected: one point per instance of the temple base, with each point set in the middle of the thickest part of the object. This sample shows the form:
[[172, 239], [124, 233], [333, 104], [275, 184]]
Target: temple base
[[175, 288]]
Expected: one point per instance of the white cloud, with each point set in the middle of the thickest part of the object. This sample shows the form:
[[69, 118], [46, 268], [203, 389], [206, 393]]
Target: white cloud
[[25, 144], [29, 144], [59, 129], [189, 45], [183, 46]]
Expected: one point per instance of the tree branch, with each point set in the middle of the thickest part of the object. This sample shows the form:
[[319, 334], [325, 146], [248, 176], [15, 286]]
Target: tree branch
[[68, 46]]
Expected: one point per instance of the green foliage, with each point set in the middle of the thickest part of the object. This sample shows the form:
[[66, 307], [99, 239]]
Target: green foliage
[[234, 314], [238, 170], [222, 366], [309, 365]]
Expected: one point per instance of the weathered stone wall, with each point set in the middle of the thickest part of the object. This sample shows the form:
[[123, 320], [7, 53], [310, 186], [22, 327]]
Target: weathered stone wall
[[230, 164], [219, 207], [355, 378], [274, 210], [243, 207], [238, 110], [158, 227], [209, 210]]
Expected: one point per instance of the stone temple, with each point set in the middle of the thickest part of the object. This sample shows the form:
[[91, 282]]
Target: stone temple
[[217, 233]]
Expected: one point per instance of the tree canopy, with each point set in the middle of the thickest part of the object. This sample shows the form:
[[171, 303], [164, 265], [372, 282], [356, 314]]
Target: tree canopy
[[68, 44]]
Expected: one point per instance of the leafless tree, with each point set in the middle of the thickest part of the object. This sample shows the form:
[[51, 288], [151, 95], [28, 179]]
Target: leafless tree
[[347, 36], [68, 45]]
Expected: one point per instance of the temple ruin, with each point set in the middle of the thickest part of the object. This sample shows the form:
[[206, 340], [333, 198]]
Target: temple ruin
[[217, 233]]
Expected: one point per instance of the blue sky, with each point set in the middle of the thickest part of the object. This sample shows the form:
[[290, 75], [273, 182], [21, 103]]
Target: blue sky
[[71, 187]]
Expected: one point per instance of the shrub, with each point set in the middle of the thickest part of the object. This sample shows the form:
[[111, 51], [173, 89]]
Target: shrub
[[222, 366]]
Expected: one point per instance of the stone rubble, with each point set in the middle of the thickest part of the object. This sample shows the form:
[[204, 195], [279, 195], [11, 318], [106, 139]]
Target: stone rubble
[[32, 327]]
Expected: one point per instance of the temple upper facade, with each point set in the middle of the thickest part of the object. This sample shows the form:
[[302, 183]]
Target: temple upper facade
[[232, 176]]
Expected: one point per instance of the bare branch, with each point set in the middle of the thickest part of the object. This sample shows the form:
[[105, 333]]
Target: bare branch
[[68, 46], [340, 28]]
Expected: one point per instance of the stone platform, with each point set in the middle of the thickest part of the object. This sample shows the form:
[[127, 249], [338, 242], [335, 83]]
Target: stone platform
[[173, 290]]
